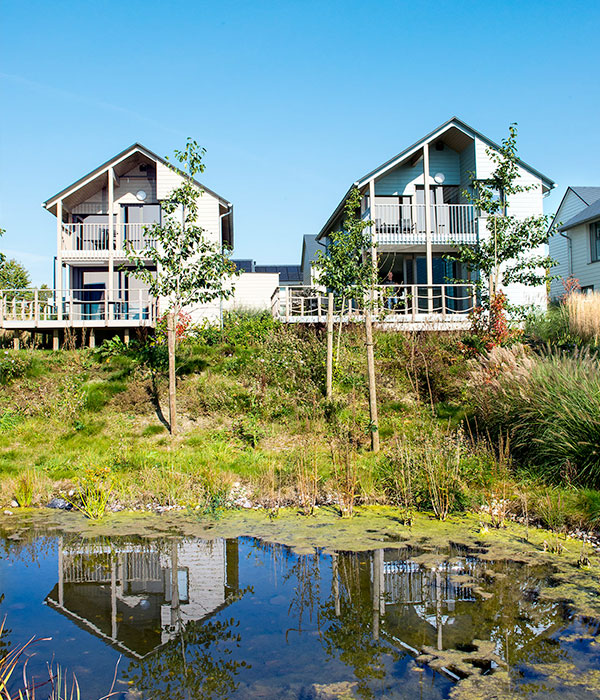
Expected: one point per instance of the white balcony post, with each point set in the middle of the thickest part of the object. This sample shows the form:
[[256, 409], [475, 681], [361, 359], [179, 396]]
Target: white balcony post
[[111, 240], [59, 270], [36, 307], [140, 312], [428, 250]]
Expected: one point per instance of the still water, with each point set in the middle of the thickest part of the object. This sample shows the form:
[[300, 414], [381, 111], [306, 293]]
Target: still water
[[239, 618]]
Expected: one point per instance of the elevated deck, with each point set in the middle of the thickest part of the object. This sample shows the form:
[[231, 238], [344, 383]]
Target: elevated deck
[[51, 309], [396, 307]]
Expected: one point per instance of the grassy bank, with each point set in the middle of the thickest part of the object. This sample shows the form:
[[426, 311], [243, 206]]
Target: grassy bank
[[255, 428]]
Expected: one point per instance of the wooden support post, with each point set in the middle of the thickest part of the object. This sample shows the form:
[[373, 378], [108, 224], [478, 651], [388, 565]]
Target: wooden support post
[[374, 427], [16, 343], [126, 336], [329, 369], [111, 244], [428, 246], [59, 269], [92, 340], [55, 340]]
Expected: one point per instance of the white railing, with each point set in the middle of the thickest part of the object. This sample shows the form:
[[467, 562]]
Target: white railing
[[37, 307], [96, 237], [405, 224], [395, 303]]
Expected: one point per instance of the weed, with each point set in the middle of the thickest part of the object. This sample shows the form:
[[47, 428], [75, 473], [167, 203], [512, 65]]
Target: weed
[[24, 489]]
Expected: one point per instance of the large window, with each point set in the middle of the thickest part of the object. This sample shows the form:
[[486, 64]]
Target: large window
[[595, 241]]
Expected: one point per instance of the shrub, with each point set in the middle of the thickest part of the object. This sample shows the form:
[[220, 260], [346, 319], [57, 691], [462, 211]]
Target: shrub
[[425, 470], [14, 364], [583, 313], [548, 405]]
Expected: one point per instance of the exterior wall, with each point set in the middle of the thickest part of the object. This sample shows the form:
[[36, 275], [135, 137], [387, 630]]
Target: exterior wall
[[586, 271], [253, 290], [402, 179], [205, 563], [571, 205], [467, 167], [520, 205]]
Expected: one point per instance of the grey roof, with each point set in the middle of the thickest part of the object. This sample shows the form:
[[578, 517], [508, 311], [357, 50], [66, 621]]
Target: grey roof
[[588, 214], [588, 194], [287, 273], [245, 265]]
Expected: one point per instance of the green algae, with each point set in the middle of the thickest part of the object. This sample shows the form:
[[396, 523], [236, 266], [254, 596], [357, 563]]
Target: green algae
[[373, 527]]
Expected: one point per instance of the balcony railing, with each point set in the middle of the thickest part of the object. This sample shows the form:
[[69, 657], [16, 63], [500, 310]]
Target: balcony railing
[[44, 307], [90, 238], [397, 303], [405, 224]]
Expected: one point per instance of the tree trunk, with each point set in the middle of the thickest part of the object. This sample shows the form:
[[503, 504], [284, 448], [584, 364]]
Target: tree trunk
[[371, 373], [171, 321], [339, 338], [329, 369]]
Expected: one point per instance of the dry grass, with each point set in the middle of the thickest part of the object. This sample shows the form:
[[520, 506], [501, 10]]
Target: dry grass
[[583, 312]]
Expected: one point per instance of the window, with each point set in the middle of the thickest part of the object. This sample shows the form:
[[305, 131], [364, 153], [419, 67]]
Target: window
[[595, 241], [588, 289]]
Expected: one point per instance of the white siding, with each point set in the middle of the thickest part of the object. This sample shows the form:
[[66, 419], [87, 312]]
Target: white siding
[[521, 205], [467, 167], [586, 271], [570, 206], [253, 291]]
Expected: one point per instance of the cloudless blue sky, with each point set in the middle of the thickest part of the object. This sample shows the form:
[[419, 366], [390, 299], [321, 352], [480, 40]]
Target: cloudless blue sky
[[293, 100]]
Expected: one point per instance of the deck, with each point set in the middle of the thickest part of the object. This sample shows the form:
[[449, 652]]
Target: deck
[[402, 307]]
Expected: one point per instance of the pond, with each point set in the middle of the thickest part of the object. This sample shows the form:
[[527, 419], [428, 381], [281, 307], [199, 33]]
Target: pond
[[186, 617]]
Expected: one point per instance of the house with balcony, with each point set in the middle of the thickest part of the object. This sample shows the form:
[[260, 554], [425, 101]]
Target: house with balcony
[[98, 217], [420, 211]]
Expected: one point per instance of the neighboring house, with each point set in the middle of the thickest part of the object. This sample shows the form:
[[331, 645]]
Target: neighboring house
[[420, 213], [310, 246], [97, 216], [575, 242]]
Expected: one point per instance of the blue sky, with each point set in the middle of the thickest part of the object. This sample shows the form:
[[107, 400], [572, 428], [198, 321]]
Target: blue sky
[[292, 100]]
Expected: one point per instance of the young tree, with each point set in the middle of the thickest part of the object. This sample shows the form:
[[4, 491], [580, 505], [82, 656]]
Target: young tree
[[190, 269], [348, 271], [510, 251], [13, 275]]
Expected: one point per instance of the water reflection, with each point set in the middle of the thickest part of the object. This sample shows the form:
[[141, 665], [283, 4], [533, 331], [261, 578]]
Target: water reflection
[[242, 618], [138, 597]]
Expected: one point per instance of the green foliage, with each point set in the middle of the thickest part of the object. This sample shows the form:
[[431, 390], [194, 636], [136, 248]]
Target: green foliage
[[15, 364], [9, 420], [346, 268], [249, 430], [550, 327], [548, 405], [24, 489], [191, 268], [98, 393], [509, 253], [95, 487], [13, 276], [426, 468], [112, 347]]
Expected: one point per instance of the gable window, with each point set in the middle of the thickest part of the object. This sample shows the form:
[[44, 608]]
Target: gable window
[[595, 241]]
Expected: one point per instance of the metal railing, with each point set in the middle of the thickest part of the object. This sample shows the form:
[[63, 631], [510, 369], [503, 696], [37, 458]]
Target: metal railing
[[96, 237], [38, 306], [405, 224], [395, 303]]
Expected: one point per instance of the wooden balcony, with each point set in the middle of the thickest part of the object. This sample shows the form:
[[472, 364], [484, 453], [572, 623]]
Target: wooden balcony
[[33, 309], [92, 241], [404, 306], [404, 224]]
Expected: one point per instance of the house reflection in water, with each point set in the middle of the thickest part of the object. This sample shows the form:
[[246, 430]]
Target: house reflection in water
[[137, 596]]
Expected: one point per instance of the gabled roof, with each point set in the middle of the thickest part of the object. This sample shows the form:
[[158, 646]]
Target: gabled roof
[[455, 123], [590, 213], [588, 194], [123, 155]]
